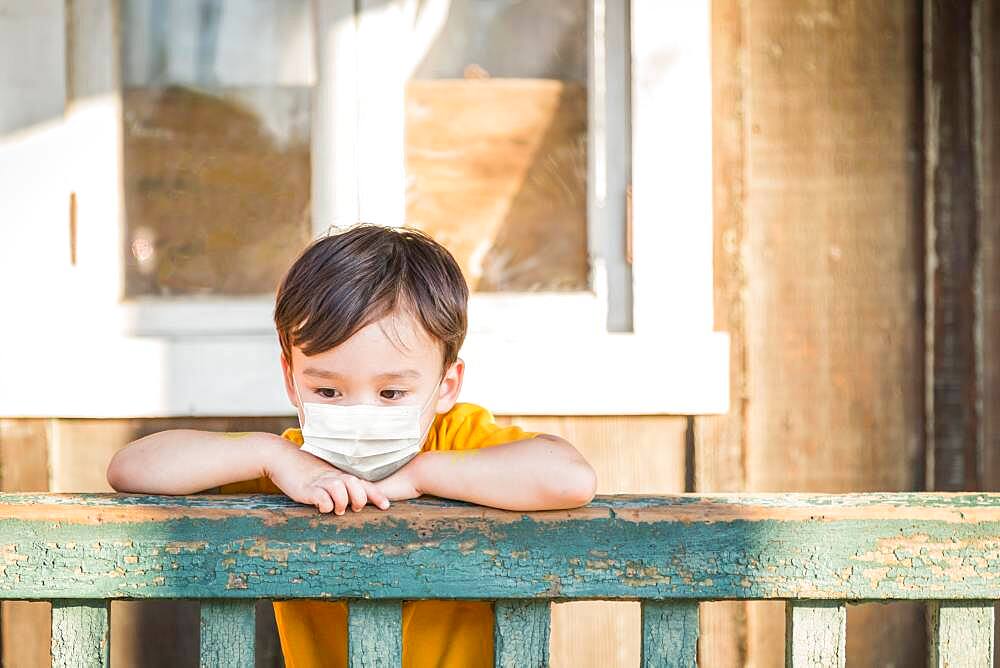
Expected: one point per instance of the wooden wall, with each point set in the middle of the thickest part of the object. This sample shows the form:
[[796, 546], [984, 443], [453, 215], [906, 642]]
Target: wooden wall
[[856, 271]]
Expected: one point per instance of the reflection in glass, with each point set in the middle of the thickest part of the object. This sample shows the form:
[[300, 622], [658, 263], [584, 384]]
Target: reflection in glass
[[216, 143], [496, 128]]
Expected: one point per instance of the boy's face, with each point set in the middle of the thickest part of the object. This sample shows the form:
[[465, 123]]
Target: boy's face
[[390, 362]]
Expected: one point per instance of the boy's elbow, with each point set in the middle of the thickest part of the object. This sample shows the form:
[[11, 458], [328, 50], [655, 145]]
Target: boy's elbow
[[117, 473], [586, 485], [575, 488]]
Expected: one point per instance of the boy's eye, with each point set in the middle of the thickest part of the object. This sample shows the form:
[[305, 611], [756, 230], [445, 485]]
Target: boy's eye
[[392, 395], [328, 392]]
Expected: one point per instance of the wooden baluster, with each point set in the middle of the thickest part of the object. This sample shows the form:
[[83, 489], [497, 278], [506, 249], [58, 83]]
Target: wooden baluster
[[521, 633], [815, 634], [228, 632], [960, 633], [80, 633], [669, 633], [375, 634]]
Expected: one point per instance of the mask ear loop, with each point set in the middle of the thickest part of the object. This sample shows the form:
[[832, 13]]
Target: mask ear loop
[[302, 406], [423, 408]]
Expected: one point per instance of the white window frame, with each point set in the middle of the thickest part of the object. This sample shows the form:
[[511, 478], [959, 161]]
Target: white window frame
[[639, 342]]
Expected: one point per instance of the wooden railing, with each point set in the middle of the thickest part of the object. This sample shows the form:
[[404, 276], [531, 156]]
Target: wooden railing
[[816, 552]]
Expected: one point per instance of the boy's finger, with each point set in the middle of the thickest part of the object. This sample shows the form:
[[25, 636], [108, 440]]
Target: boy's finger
[[321, 499], [376, 495], [357, 492], [338, 492]]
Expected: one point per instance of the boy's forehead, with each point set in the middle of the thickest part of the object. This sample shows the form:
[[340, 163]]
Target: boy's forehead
[[395, 344]]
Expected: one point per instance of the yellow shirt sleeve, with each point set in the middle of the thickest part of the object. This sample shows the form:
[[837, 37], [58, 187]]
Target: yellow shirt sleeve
[[468, 427]]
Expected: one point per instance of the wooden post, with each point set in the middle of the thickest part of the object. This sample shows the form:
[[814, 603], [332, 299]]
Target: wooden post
[[960, 634], [952, 237], [227, 633], [669, 634], [375, 634], [521, 634], [815, 634], [819, 262], [81, 636]]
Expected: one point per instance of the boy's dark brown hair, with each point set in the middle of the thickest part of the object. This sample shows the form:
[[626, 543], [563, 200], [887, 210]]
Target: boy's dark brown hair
[[349, 279]]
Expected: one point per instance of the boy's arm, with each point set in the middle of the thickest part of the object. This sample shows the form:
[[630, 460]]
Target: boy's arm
[[540, 473], [185, 461]]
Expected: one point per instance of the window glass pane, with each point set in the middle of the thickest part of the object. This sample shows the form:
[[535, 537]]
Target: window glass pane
[[496, 130], [216, 143]]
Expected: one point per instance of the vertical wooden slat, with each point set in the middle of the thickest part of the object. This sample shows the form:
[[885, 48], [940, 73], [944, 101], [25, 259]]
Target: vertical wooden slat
[[988, 43], [375, 634], [80, 636], [960, 634], [521, 634], [669, 633], [228, 633], [815, 634], [952, 229], [720, 440]]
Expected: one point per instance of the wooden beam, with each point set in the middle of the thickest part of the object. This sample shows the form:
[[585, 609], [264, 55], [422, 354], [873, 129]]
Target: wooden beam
[[853, 547]]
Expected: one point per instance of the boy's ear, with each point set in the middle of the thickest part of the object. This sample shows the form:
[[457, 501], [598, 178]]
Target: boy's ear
[[451, 385], [286, 373]]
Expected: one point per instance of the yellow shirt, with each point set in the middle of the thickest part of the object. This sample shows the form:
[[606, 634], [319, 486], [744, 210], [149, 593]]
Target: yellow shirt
[[438, 634]]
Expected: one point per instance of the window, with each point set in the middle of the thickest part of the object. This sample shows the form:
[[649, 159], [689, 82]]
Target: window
[[511, 130]]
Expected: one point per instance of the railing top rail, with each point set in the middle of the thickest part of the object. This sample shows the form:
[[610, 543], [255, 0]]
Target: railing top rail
[[796, 546]]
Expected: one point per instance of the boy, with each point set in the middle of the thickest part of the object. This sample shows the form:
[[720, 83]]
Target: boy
[[372, 316]]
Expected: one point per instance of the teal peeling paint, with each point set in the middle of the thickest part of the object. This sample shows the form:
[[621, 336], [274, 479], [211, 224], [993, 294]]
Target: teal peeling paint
[[228, 633], [80, 634], [375, 634], [617, 548], [521, 634], [669, 634]]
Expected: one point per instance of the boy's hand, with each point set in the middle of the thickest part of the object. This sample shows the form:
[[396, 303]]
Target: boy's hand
[[403, 484], [312, 481]]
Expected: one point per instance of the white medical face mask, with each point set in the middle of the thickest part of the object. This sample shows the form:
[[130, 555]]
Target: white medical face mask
[[366, 440]]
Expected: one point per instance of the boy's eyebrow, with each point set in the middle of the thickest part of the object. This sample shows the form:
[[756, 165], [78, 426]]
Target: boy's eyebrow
[[320, 373], [405, 373], [388, 375]]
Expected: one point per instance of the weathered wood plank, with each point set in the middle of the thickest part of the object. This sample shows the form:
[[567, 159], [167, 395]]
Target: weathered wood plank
[[521, 634], [669, 634], [375, 634], [815, 634], [960, 634], [989, 298], [952, 233], [227, 633], [878, 546], [80, 634], [832, 262], [721, 440]]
